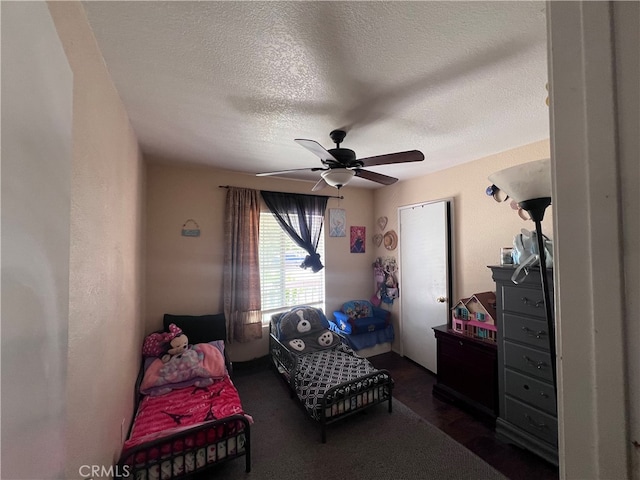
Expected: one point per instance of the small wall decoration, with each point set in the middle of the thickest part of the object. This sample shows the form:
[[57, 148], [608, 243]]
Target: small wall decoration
[[337, 223], [382, 222], [390, 240], [377, 239], [190, 229], [357, 244]]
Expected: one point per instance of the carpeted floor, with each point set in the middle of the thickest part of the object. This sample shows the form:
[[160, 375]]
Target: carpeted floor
[[370, 445]]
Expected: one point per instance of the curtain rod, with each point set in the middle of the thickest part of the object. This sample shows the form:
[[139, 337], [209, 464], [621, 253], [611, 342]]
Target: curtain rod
[[328, 196]]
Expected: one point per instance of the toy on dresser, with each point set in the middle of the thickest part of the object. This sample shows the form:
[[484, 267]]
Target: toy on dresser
[[475, 316]]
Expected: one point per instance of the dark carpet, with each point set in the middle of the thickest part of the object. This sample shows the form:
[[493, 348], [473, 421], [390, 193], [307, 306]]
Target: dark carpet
[[375, 444]]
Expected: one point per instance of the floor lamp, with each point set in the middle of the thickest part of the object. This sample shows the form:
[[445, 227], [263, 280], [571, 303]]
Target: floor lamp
[[529, 184]]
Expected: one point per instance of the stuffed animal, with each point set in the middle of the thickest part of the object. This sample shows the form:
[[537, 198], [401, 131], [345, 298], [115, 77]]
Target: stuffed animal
[[300, 321], [165, 344], [177, 346], [305, 329]]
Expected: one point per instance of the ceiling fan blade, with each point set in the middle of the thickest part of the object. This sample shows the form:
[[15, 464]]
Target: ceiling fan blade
[[317, 149], [311, 169], [400, 157], [375, 177], [320, 185]]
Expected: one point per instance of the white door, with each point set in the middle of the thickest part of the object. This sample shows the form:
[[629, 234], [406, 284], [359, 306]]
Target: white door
[[424, 278]]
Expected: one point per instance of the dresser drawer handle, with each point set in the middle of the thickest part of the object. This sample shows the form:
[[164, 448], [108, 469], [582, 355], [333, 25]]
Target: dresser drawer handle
[[542, 394], [539, 365], [538, 304], [533, 333], [533, 423]]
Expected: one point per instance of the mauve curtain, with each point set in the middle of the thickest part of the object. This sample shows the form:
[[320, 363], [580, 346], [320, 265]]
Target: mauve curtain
[[301, 216], [242, 302]]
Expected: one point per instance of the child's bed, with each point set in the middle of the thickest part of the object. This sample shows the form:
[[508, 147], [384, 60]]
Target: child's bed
[[328, 378], [188, 413]]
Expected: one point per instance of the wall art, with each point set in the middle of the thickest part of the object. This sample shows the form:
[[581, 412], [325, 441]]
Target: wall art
[[390, 240], [357, 244], [190, 229], [337, 222]]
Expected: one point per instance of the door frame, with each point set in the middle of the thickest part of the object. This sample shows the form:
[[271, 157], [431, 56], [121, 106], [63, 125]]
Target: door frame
[[449, 202], [592, 142]]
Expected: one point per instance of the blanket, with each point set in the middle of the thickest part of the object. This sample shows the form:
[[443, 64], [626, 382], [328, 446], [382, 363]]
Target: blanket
[[200, 365], [160, 416], [320, 371]]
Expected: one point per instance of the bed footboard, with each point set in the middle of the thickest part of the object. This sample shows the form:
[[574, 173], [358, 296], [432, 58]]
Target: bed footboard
[[190, 451], [354, 396]]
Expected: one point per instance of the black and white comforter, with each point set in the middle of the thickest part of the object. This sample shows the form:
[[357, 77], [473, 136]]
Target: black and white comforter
[[319, 371]]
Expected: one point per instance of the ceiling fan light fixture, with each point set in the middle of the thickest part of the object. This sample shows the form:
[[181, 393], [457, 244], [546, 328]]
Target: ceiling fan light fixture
[[338, 177]]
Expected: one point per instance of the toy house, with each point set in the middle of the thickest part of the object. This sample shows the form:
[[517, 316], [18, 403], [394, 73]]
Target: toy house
[[475, 316], [460, 316]]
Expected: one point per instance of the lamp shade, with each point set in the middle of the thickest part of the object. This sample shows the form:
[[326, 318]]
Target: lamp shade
[[526, 181], [337, 177]]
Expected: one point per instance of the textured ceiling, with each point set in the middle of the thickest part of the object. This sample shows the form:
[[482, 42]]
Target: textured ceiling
[[231, 84]]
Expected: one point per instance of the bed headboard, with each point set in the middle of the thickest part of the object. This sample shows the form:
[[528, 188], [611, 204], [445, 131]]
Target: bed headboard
[[199, 328]]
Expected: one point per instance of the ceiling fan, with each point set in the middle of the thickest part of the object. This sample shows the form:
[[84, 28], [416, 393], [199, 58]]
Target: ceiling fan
[[340, 164]]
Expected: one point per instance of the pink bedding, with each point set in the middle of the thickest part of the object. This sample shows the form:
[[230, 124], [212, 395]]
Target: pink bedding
[[200, 365], [160, 416]]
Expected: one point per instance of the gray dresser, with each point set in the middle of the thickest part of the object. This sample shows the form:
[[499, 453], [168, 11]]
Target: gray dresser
[[527, 401]]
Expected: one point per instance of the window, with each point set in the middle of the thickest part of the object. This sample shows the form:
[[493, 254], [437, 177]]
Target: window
[[283, 283]]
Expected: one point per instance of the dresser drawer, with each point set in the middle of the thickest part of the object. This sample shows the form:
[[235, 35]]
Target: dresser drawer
[[526, 330], [534, 421], [529, 301], [534, 392], [528, 360], [467, 368]]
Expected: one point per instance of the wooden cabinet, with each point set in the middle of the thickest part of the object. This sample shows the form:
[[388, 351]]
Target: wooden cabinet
[[467, 371], [526, 393]]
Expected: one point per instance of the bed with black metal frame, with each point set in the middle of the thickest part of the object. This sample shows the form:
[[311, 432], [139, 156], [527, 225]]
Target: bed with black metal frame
[[330, 380], [183, 451]]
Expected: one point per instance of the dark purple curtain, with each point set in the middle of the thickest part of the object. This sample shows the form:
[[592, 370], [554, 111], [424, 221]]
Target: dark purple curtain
[[302, 217]]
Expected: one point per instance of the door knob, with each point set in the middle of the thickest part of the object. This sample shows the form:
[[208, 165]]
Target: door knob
[[441, 299]]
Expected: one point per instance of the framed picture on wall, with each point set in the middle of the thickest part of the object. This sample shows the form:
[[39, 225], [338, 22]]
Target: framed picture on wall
[[357, 242], [337, 222]]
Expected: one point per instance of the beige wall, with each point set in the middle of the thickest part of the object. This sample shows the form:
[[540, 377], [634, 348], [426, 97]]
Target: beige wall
[[105, 271], [184, 274], [36, 211], [480, 225]]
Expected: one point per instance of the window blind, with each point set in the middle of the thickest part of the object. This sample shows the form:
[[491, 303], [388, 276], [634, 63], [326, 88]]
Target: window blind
[[283, 283]]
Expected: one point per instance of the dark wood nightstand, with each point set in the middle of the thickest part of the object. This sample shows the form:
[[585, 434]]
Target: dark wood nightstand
[[467, 371]]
